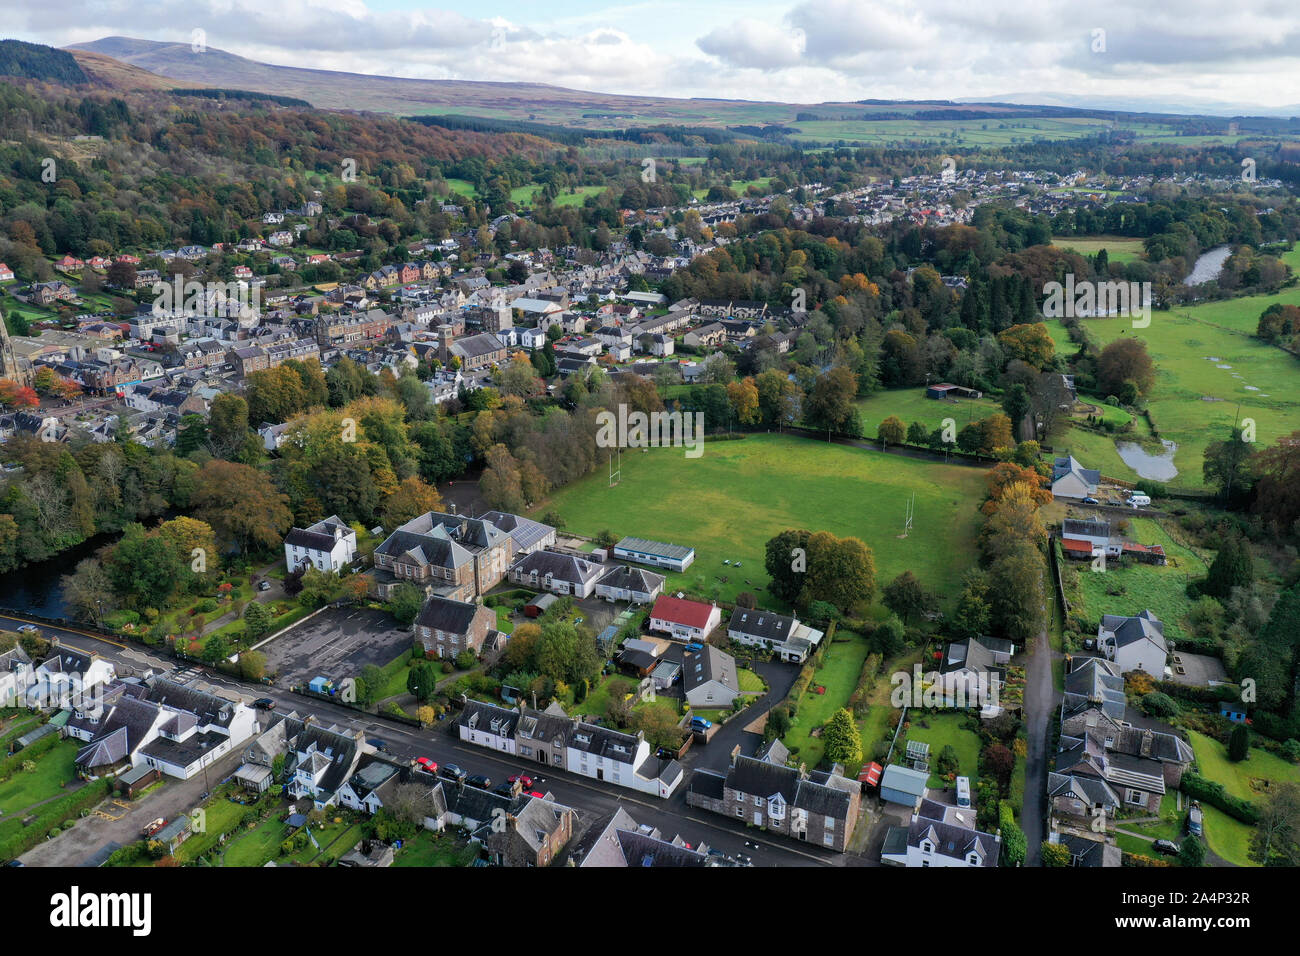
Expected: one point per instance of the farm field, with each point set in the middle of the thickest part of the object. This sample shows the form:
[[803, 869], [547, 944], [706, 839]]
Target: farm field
[[1207, 364], [1118, 248], [738, 494], [973, 132]]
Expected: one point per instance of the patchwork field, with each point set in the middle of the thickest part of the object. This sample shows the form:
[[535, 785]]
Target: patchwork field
[[738, 494], [1207, 365]]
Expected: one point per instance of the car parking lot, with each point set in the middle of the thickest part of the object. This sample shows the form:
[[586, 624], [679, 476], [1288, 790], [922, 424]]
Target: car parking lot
[[336, 643]]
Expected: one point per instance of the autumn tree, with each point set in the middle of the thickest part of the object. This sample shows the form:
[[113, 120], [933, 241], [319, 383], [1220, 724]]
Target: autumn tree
[[1125, 360], [241, 505]]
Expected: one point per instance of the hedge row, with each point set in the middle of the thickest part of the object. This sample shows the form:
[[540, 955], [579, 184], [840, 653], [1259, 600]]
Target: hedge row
[[10, 765], [1199, 788], [866, 683], [52, 815]]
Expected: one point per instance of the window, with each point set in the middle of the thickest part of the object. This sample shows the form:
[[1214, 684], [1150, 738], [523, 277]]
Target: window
[[1137, 797], [740, 812]]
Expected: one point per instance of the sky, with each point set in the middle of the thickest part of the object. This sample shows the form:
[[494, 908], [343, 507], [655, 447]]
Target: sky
[[1196, 52]]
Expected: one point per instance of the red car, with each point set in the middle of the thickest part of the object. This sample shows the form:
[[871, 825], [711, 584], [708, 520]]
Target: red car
[[534, 793], [427, 765], [522, 779]]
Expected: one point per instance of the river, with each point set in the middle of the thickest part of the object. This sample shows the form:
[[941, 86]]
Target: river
[[1208, 266]]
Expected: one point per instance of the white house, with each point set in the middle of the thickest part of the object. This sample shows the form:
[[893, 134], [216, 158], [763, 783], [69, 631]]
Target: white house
[[709, 678], [532, 338], [1134, 643], [1071, 480], [682, 619], [328, 545], [635, 585], [784, 636], [940, 835]]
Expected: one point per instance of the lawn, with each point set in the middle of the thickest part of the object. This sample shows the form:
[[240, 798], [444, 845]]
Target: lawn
[[911, 405], [795, 483], [254, 847], [838, 675], [597, 700], [945, 729], [750, 683], [1212, 758], [1227, 836], [1118, 248], [220, 815], [1128, 587], [434, 849], [54, 768], [1208, 364]]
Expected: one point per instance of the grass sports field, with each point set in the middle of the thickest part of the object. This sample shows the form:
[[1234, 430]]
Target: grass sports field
[[738, 494]]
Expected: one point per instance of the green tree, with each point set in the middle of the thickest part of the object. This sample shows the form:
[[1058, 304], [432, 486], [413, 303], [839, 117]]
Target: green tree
[[257, 619], [1239, 743], [405, 602], [1014, 844], [1055, 854], [1232, 567], [1192, 852], [906, 598], [840, 738]]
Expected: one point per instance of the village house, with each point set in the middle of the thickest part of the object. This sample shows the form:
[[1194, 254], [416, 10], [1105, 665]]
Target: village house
[[683, 620], [445, 627], [784, 636], [327, 545], [820, 808], [557, 573], [450, 555]]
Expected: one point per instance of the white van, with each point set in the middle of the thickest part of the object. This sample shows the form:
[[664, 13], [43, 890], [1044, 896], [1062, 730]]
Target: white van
[[1139, 501], [963, 792]]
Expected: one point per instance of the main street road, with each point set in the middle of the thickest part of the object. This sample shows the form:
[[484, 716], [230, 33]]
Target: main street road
[[590, 799]]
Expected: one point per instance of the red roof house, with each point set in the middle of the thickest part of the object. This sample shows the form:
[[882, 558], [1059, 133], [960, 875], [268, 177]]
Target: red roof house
[[682, 619]]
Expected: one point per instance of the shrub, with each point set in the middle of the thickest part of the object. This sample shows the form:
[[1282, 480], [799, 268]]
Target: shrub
[[1239, 743], [1207, 791]]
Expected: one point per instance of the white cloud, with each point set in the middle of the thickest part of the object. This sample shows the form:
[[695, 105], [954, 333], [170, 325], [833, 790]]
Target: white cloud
[[790, 50]]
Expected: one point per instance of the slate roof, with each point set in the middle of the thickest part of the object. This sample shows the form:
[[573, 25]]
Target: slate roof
[[632, 579], [710, 664], [953, 840], [444, 614], [603, 742], [764, 625], [563, 567], [209, 708]]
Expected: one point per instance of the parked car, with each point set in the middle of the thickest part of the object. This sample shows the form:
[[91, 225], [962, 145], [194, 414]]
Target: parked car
[[425, 764], [505, 789], [480, 781], [264, 586], [1091, 501], [1194, 819], [28, 629], [699, 723], [451, 772], [663, 753], [1167, 847], [264, 703], [152, 828], [377, 744], [522, 779]]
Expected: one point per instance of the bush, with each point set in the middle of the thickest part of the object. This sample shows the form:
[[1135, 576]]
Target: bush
[[1207, 791], [1239, 744]]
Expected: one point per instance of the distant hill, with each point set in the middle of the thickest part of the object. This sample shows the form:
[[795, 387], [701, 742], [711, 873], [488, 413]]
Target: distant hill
[[114, 74], [36, 62]]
